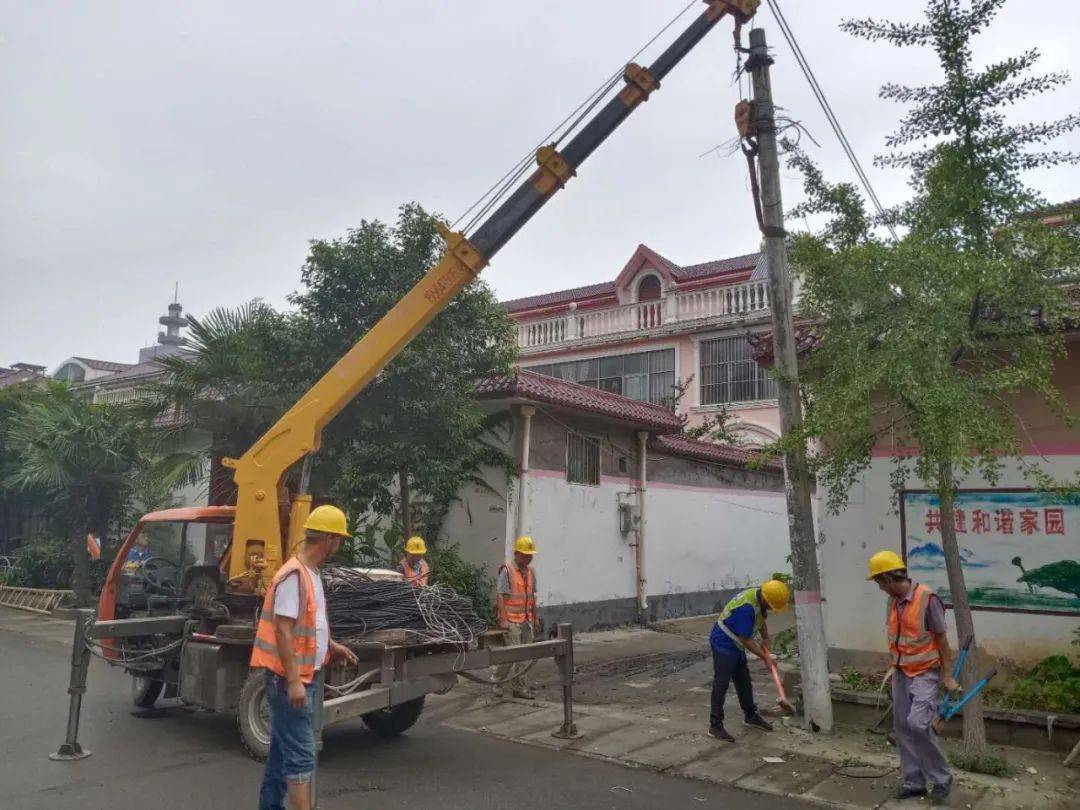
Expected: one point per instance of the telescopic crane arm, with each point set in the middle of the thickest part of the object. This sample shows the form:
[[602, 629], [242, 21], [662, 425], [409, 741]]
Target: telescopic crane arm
[[259, 472]]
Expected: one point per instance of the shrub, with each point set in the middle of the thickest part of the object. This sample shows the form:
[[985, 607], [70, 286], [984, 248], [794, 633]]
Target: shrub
[[45, 563], [449, 568], [1052, 686]]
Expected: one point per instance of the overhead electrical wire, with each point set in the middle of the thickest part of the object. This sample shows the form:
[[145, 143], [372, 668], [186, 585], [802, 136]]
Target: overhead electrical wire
[[830, 116]]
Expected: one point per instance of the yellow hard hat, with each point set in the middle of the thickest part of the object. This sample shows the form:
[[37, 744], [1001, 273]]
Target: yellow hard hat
[[525, 545], [885, 561], [775, 593], [415, 545], [328, 520]]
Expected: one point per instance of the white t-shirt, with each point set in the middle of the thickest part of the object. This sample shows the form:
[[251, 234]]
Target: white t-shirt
[[287, 603]]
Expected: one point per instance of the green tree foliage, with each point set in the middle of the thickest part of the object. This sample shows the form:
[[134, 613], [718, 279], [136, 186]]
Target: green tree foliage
[[924, 342], [22, 508], [412, 431], [418, 423], [84, 458]]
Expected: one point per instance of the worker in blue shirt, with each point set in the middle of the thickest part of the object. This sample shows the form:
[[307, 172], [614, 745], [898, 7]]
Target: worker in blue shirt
[[733, 634], [138, 554]]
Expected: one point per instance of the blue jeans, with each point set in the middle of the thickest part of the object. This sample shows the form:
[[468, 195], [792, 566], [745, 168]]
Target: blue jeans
[[292, 742]]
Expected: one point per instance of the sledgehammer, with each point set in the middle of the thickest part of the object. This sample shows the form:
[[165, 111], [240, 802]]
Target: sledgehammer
[[781, 700]]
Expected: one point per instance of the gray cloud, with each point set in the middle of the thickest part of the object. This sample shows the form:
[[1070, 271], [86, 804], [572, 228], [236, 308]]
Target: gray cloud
[[206, 143]]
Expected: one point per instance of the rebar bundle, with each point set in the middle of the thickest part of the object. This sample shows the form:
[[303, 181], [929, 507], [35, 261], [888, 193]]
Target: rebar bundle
[[358, 606]]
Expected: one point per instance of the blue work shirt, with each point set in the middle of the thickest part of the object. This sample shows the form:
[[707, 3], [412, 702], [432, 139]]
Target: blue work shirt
[[138, 554], [741, 623]]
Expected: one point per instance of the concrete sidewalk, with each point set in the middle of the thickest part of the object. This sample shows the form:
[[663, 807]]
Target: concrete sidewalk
[[642, 699]]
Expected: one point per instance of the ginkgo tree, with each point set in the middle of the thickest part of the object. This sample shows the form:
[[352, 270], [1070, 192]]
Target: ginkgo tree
[[922, 342]]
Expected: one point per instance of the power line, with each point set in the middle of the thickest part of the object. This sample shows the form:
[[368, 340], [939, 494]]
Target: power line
[[504, 184], [830, 116]]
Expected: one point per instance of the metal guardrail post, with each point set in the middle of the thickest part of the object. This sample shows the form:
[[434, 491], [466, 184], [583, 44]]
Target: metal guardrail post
[[317, 726], [80, 665], [565, 662]]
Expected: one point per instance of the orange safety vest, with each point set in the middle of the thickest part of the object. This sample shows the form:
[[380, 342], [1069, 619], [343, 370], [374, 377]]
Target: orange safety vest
[[265, 652], [416, 580], [913, 648], [519, 606]]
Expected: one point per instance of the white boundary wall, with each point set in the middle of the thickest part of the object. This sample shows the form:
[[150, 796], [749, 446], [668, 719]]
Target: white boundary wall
[[855, 608]]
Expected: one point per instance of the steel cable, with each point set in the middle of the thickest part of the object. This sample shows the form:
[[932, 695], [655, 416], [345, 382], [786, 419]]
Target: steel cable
[[358, 606]]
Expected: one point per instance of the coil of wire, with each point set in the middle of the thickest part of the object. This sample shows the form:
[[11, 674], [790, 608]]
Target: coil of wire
[[358, 606]]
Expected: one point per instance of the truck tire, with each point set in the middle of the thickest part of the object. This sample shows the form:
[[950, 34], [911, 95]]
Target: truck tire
[[145, 689], [253, 716], [395, 720]]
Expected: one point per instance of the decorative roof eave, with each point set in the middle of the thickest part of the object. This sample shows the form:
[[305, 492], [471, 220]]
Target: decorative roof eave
[[714, 453], [526, 386]]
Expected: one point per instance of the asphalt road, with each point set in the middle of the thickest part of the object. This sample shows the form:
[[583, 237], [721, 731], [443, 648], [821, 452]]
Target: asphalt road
[[194, 760]]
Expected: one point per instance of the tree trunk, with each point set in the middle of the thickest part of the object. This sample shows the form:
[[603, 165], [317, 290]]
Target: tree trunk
[[406, 504], [974, 729]]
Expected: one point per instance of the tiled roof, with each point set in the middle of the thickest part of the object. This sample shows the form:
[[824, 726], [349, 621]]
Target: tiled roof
[[534, 387], [560, 297], [708, 451], [14, 376], [103, 365], [693, 272], [1059, 208], [716, 268], [134, 371]]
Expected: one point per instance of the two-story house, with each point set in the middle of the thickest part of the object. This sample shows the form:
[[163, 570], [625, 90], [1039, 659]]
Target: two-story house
[[656, 326]]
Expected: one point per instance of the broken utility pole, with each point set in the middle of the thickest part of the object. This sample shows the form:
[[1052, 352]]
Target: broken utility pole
[[810, 624]]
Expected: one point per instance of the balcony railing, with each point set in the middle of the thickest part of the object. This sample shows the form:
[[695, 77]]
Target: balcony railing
[[717, 302]]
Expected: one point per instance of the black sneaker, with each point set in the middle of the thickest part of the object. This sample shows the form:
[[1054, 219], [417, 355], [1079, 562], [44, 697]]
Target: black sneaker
[[905, 792], [721, 733], [939, 793], [757, 721]]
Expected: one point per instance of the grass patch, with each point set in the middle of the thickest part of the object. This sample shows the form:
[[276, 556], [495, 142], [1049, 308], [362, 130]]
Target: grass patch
[[988, 764], [785, 643], [859, 681]]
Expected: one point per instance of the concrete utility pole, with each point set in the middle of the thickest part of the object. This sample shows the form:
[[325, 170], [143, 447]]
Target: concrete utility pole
[[817, 702]]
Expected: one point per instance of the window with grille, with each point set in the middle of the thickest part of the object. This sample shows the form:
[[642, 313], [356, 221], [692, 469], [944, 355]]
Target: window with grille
[[729, 373], [582, 459], [644, 376]]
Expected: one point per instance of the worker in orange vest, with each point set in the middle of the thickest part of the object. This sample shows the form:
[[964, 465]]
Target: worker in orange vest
[[292, 643], [413, 565], [921, 660], [515, 602]]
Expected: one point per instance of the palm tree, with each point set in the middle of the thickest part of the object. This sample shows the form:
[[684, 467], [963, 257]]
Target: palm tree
[[85, 457], [220, 395]]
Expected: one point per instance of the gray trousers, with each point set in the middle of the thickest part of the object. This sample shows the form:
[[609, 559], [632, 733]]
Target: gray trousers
[[915, 706], [516, 634]]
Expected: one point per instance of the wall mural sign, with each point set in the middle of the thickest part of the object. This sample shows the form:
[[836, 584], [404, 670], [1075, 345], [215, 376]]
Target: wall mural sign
[[1020, 549]]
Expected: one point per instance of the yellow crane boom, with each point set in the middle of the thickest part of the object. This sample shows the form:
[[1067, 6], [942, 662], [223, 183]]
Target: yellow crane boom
[[259, 472]]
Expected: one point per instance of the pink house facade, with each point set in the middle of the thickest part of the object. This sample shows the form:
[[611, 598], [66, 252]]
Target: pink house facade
[[656, 325]]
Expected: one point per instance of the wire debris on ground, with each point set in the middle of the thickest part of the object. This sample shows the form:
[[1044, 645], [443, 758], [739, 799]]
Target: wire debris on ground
[[357, 607]]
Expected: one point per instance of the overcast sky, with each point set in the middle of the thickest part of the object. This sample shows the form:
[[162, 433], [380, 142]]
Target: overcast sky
[[148, 143]]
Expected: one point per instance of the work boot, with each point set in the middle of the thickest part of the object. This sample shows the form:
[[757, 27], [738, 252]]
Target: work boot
[[906, 792], [757, 721], [939, 793], [721, 733]]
